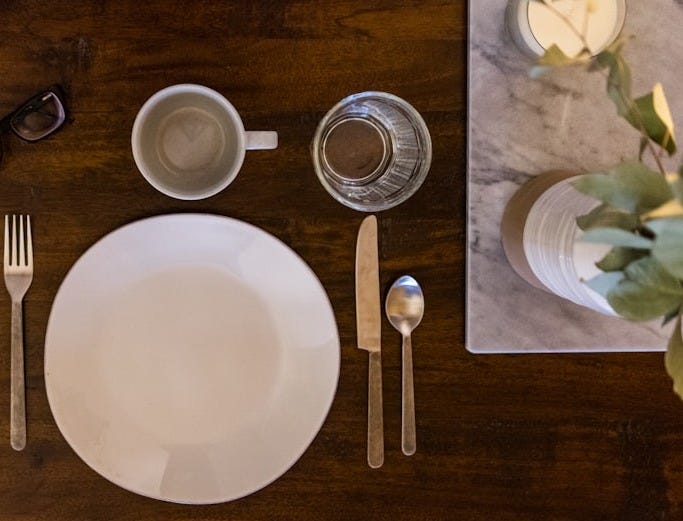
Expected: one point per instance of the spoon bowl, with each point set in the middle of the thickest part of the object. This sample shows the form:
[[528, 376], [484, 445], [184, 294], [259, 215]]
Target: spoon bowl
[[405, 304], [404, 308]]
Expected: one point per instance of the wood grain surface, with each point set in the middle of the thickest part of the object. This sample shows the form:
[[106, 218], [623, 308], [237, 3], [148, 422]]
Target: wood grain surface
[[566, 437]]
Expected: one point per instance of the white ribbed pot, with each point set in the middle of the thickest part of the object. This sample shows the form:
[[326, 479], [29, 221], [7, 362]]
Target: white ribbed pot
[[540, 239]]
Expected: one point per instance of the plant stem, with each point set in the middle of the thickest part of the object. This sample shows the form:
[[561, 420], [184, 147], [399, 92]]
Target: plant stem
[[628, 102], [660, 166], [641, 126]]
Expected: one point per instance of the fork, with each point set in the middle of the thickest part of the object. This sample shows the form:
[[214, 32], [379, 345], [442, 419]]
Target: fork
[[18, 268]]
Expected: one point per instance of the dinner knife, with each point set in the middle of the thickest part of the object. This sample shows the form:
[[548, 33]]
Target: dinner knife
[[368, 324]]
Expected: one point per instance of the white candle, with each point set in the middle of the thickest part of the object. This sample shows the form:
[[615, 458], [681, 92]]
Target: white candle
[[536, 27]]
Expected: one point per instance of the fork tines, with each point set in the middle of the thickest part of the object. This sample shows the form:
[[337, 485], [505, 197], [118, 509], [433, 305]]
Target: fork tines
[[18, 251]]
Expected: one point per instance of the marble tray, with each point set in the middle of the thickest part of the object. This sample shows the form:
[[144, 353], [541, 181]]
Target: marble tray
[[519, 127]]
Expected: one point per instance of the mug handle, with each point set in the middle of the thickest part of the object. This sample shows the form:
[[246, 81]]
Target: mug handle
[[261, 140]]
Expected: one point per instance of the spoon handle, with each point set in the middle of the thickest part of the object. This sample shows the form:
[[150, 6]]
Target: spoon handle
[[408, 442]]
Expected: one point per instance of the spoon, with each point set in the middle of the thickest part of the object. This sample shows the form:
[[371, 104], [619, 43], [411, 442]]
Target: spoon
[[404, 307]]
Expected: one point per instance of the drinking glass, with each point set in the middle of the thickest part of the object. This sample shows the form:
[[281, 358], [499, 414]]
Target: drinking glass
[[372, 151]]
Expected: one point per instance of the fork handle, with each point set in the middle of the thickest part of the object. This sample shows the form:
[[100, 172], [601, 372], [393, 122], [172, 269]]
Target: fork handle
[[17, 392]]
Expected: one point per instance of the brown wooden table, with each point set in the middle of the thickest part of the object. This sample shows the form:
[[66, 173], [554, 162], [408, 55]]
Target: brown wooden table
[[499, 437]]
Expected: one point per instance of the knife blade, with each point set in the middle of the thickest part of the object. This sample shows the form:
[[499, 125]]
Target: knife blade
[[368, 326]]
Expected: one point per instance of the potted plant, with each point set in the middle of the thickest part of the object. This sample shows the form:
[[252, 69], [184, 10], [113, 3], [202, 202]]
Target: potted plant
[[633, 211]]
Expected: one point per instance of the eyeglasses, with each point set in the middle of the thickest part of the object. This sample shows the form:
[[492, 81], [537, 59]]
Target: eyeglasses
[[36, 118]]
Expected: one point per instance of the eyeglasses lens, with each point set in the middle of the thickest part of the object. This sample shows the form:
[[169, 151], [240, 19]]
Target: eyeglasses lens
[[39, 117]]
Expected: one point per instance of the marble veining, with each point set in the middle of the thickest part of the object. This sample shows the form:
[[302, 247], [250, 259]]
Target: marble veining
[[519, 127]]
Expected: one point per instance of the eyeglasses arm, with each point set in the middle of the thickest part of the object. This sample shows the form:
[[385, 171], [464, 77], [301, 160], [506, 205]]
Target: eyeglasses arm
[[5, 125]]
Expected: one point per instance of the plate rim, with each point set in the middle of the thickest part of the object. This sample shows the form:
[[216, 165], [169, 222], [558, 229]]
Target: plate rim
[[253, 228]]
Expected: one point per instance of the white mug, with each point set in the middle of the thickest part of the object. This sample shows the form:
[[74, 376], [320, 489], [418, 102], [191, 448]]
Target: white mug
[[189, 141]]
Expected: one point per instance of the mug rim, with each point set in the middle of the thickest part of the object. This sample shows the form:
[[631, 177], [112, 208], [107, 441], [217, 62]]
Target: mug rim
[[230, 111]]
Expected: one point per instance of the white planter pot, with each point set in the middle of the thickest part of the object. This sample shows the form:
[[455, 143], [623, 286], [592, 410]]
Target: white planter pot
[[540, 239]]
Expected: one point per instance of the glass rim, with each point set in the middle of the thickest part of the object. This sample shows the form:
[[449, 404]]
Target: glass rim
[[422, 166]]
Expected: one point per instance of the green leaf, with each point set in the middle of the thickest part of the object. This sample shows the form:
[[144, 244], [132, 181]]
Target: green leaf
[[635, 302], [618, 79], [649, 272], [616, 237], [648, 291], [657, 225], [605, 216], [651, 114], [630, 186], [677, 185], [670, 210], [617, 45], [604, 282], [668, 245], [554, 57], [648, 114], [673, 360], [618, 258], [670, 316], [595, 65], [643, 146]]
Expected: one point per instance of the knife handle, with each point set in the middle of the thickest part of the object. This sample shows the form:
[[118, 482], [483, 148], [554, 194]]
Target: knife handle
[[375, 415]]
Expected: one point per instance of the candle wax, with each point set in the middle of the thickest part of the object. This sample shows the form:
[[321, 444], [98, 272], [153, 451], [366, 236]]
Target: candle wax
[[548, 28]]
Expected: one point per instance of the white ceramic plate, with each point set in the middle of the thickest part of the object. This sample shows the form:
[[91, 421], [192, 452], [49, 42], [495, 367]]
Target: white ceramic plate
[[191, 358]]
